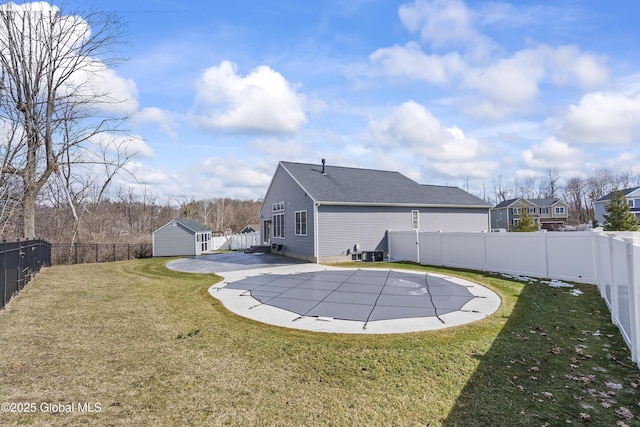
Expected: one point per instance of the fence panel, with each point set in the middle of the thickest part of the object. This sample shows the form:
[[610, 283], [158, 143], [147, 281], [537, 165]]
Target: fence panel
[[634, 302], [620, 292], [611, 262], [603, 266], [81, 253], [430, 247], [19, 261], [517, 253], [464, 250], [403, 246], [571, 256]]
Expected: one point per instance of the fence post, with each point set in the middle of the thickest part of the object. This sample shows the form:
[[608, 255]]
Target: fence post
[[546, 255], [4, 273], [18, 276], [614, 285], [417, 247], [75, 253], [97, 253], [634, 333]]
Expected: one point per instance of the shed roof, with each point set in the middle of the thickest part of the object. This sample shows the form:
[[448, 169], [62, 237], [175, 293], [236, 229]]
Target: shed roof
[[190, 225], [348, 185]]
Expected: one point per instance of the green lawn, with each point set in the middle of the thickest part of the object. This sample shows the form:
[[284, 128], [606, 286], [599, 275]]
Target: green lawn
[[149, 346]]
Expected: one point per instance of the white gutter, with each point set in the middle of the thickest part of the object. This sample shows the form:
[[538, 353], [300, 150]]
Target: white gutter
[[402, 205]]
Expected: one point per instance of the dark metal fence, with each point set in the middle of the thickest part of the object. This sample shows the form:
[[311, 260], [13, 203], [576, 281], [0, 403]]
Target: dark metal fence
[[80, 253], [19, 261]]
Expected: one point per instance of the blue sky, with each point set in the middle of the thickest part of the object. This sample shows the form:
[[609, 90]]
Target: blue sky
[[456, 93]]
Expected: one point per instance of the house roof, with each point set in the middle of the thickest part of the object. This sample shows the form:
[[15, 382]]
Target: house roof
[[536, 202], [347, 185], [507, 202], [544, 202], [625, 192]]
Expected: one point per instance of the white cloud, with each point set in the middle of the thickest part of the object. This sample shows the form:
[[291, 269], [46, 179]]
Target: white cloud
[[445, 23], [553, 154], [412, 126], [261, 101], [607, 118], [230, 173], [460, 169], [568, 66], [121, 146], [411, 61], [512, 85], [164, 119]]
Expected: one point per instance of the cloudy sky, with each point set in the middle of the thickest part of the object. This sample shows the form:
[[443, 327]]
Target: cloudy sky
[[446, 92]]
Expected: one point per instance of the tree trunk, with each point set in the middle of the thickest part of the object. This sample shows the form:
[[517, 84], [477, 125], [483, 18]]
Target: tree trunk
[[29, 213]]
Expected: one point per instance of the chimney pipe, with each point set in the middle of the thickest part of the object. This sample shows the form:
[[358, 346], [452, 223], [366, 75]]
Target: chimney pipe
[[323, 172]]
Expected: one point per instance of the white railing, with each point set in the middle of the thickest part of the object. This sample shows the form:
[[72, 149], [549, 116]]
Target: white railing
[[612, 262], [236, 241]]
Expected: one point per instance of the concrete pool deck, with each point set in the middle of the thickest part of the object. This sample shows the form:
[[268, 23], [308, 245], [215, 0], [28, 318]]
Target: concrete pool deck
[[331, 299]]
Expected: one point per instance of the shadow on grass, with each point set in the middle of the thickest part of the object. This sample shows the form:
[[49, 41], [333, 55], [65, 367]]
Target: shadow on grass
[[557, 360]]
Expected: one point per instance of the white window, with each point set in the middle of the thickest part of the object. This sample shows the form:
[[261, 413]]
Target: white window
[[559, 210], [544, 211], [531, 210], [301, 223], [278, 226], [515, 211], [415, 220], [630, 202], [277, 207]]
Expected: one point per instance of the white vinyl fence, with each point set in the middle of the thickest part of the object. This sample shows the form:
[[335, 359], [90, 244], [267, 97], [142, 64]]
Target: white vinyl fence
[[612, 262], [236, 241]]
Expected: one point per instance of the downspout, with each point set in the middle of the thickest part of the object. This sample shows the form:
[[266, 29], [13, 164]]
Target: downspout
[[316, 244]]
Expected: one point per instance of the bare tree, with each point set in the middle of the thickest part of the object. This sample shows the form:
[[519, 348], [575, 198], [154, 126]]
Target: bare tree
[[500, 191], [54, 94], [575, 192], [549, 186]]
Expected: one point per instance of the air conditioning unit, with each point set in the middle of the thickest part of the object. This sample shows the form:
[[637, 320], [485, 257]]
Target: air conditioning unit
[[373, 256]]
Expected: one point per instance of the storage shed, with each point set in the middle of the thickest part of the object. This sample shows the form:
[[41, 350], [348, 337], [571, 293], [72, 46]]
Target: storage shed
[[181, 237]]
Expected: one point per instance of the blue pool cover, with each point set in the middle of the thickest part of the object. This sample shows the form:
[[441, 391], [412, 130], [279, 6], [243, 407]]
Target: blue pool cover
[[359, 295]]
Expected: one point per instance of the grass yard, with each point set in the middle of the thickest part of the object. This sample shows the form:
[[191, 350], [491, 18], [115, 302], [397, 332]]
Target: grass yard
[[142, 345]]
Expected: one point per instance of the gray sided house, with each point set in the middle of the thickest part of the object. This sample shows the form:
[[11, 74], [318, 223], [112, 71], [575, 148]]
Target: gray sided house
[[633, 199], [181, 237], [548, 214], [327, 213]]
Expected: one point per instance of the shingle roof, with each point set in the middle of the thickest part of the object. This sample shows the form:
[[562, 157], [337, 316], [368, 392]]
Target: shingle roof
[[536, 202], [192, 225], [369, 186], [625, 192], [544, 202], [507, 202]]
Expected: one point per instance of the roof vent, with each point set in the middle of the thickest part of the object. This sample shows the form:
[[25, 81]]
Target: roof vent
[[323, 172]]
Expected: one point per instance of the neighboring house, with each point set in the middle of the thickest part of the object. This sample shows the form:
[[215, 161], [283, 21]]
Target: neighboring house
[[549, 214], [251, 228], [181, 237], [331, 213], [633, 198]]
